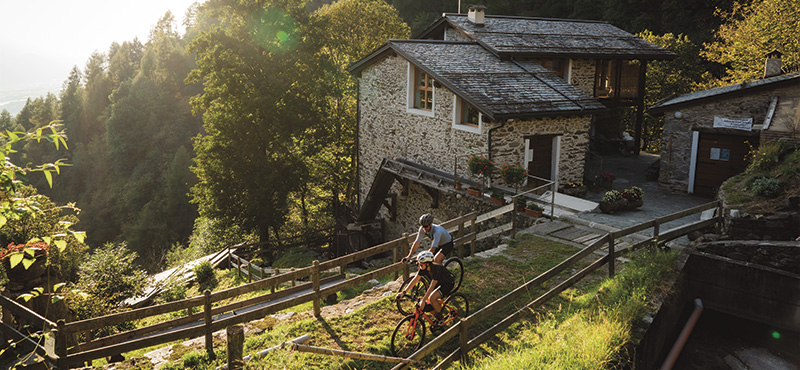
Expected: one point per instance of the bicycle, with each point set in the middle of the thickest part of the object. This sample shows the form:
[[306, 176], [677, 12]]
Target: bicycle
[[405, 305], [409, 335]]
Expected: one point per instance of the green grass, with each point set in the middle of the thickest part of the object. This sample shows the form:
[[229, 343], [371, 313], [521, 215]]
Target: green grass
[[589, 329], [601, 313]]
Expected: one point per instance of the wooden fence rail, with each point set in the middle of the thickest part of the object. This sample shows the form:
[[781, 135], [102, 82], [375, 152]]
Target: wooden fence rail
[[461, 329]]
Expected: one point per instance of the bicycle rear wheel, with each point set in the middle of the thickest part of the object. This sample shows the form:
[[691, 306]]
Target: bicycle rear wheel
[[406, 304], [458, 305], [456, 267], [408, 336]]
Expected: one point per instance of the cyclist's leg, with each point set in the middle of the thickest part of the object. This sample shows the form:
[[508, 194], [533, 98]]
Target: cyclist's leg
[[435, 300]]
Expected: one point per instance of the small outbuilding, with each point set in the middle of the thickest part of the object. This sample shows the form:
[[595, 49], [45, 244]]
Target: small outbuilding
[[708, 134]]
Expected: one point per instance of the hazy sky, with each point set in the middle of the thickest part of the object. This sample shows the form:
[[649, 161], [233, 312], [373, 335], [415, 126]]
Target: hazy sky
[[40, 40]]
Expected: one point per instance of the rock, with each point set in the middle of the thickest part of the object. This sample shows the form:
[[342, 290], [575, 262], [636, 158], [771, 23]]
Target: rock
[[694, 235]]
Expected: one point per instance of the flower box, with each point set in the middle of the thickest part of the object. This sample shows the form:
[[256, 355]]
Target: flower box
[[499, 202], [532, 212], [474, 192]]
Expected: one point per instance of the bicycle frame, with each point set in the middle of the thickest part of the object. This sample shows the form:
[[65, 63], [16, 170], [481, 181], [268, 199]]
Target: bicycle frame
[[419, 312]]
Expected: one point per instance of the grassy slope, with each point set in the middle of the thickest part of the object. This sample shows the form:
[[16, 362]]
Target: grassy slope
[[772, 162], [582, 328]]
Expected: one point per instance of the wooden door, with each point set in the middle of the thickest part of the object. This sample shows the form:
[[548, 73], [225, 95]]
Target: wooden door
[[719, 157], [541, 160]]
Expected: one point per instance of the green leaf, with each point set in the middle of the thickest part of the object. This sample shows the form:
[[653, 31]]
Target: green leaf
[[83, 295], [30, 251], [15, 258], [3, 220], [49, 178], [80, 235], [26, 297], [58, 286], [39, 290], [56, 298], [61, 245], [46, 239], [27, 262]]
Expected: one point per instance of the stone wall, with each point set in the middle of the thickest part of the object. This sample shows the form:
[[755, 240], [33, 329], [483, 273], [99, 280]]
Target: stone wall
[[508, 143], [582, 72], [676, 147], [776, 226]]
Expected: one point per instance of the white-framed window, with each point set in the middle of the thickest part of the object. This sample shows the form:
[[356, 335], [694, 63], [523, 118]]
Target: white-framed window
[[465, 116], [421, 93]]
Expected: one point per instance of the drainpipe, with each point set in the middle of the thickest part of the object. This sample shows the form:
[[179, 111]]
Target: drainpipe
[[687, 330], [489, 145]]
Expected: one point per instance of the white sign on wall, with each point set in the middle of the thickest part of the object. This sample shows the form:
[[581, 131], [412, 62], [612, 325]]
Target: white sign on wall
[[745, 124]]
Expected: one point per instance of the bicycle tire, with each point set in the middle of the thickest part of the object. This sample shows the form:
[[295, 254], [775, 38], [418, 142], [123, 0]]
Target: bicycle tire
[[455, 266], [407, 338], [406, 304], [459, 303]]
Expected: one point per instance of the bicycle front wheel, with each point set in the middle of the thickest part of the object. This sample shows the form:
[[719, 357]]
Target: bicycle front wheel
[[458, 306], [408, 337], [406, 304], [456, 267]]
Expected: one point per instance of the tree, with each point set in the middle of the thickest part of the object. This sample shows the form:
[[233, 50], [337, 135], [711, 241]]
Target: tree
[[750, 31], [258, 73], [670, 78]]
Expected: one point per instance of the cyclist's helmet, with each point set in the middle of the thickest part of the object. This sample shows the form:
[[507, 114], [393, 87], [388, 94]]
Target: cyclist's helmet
[[425, 256], [426, 219]]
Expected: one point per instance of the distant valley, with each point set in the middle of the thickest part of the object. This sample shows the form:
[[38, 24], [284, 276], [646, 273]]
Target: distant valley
[[14, 100]]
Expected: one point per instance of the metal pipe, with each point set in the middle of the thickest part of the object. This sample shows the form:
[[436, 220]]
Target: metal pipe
[[672, 357]]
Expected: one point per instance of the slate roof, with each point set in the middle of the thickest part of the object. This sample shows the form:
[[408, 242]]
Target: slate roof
[[500, 89], [719, 93], [544, 37]]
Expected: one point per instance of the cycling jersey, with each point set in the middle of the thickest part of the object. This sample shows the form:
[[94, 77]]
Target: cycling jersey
[[442, 275]]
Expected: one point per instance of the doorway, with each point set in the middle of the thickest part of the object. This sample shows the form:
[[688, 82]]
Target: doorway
[[541, 159]]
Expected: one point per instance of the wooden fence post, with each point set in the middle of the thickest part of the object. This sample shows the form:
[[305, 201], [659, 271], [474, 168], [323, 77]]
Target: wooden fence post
[[315, 282], [463, 338], [396, 257], [460, 235], [656, 230], [404, 247], [229, 257], [514, 217], [474, 230], [611, 253], [207, 314], [238, 268], [235, 347], [720, 218], [249, 272], [61, 345]]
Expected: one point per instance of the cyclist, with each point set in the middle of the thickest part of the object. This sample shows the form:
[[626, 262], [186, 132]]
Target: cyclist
[[441, 241], [440, 287]]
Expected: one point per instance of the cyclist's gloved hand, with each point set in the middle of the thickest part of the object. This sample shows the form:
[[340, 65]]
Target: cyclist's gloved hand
[[405, 259], [400, 295]]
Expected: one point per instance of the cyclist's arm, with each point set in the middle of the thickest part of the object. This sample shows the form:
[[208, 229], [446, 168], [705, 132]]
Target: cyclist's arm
[[431, 287], [414, 282], [413, 249]]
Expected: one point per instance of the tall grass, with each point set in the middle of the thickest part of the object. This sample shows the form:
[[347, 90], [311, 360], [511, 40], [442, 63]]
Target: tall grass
[[584, 330]]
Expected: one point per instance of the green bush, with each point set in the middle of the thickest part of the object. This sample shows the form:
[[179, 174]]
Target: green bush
[[173, 291], [204, 273], [765, 157], [766, 186]]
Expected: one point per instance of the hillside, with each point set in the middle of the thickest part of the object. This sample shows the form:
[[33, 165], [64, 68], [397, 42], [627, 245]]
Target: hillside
[[598, 317]]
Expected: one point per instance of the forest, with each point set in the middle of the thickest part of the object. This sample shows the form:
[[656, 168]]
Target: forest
[[242, 127]]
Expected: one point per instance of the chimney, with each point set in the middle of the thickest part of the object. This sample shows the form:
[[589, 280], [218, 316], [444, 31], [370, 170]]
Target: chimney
[[475, 14], [772, 67]]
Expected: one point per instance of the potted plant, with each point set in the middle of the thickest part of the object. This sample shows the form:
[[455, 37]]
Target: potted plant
[[513, 175], [498, 197], [474, 191], [534, 209], [480, 166], [634, 197], [520, 203], [575, 189], [607, 180], [24, 262], [612, 201], [457, 184]]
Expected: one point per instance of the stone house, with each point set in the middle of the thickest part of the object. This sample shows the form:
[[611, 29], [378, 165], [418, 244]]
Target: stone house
[[525, 91], [708, 134]]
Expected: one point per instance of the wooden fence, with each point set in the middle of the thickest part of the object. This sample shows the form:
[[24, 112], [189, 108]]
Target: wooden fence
[[461, 329], [203, 315], [214, 311]]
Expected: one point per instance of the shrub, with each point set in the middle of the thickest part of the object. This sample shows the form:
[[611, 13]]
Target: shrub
[[111, 272], [521, 202], [204, 273], [766, 186], [765, 157]]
